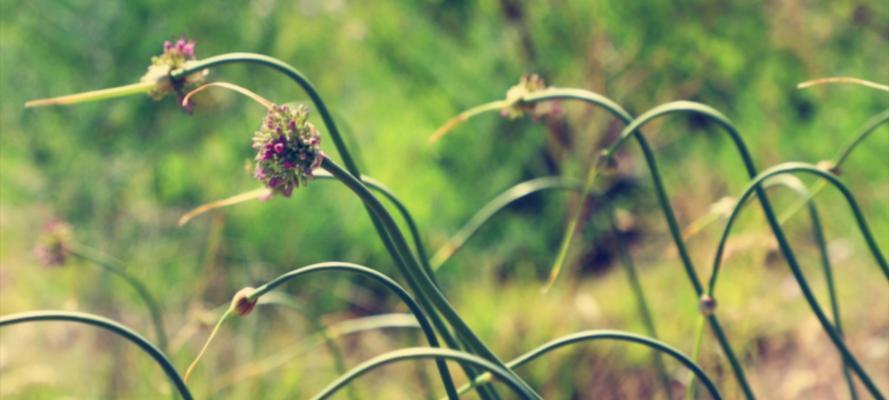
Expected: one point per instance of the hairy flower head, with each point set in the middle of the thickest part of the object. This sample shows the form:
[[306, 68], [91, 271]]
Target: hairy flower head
[[54, 245], [175, 56], [287, 149]]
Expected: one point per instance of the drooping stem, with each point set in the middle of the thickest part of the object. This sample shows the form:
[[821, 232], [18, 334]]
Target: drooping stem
[[397, 253], [537, 185], [610, 335], [380, 278], [111, 326], [113, 266], [411, 266], [756, 186], [419, 353]]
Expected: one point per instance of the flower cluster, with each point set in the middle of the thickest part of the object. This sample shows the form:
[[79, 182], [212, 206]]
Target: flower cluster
[[175, 56], [287, 149], [54, 245], [516, 107]]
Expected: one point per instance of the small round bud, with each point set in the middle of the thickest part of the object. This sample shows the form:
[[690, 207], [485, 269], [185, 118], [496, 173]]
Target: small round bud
[[54, 245], [241, 303], [707, 305]]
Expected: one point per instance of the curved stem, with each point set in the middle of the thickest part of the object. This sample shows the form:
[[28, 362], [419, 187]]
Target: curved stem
[[869, 127], [527, 188], [595, 335], [634, 129], [411, 267], [115, 267], [109, 325], [396, 252], [755, 186], [419, 353], [380, 278], [495, 206]]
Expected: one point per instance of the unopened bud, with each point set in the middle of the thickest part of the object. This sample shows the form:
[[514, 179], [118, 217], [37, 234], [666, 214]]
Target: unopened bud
[[241, 302], [707, 304]]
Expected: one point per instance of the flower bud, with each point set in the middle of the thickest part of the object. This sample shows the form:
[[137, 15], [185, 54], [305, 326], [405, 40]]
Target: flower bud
[[54, 245], [707, 305], [287, 149], [241, 303], [516, 107], [176, 55]]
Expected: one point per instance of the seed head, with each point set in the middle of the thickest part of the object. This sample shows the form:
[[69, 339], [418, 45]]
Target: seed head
[[54, 245], [175, 56], [287, 149]]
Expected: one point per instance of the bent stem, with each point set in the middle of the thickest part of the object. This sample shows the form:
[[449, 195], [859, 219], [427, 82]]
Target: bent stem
[[596, 335], [113, 266], [197, 358], [380, 278], [111, 326], [411, 266], [419, 353], [537, 185], [397, 253], [835, 336], [843, 80]]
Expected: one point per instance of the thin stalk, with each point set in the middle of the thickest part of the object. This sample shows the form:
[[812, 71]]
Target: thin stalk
[[335, 331], [639, 293], [95, 95], [412, 265], [397, 253], [818, 235], [700, 326], [595, 335], [527, 188], [869, 127], [419, 353], [113, 327], [495, 206], [755, 186], [634, 129], [380, 278], [113, 266], [843, 80]]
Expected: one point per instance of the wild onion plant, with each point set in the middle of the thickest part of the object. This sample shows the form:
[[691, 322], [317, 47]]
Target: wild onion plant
[[289, 156]]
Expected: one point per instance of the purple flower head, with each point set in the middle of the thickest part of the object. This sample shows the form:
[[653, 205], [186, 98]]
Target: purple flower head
[[175, 56], [287, 149], [54, 245]]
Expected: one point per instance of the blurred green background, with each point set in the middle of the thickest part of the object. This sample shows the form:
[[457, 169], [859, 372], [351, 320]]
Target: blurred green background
[[123, 171]]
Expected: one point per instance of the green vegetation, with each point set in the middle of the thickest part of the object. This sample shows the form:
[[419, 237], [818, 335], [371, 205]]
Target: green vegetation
[[384, 78]]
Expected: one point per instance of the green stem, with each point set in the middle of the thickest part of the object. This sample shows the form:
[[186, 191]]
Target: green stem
[[594, 335], [411, 264], [380, 278], [818, 235], [639, 293], [869, 127], [700, 326], [115, 267], [109, 325], [755, 186], [527, 188], [396, 252], [633, 129], [418, 353]]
